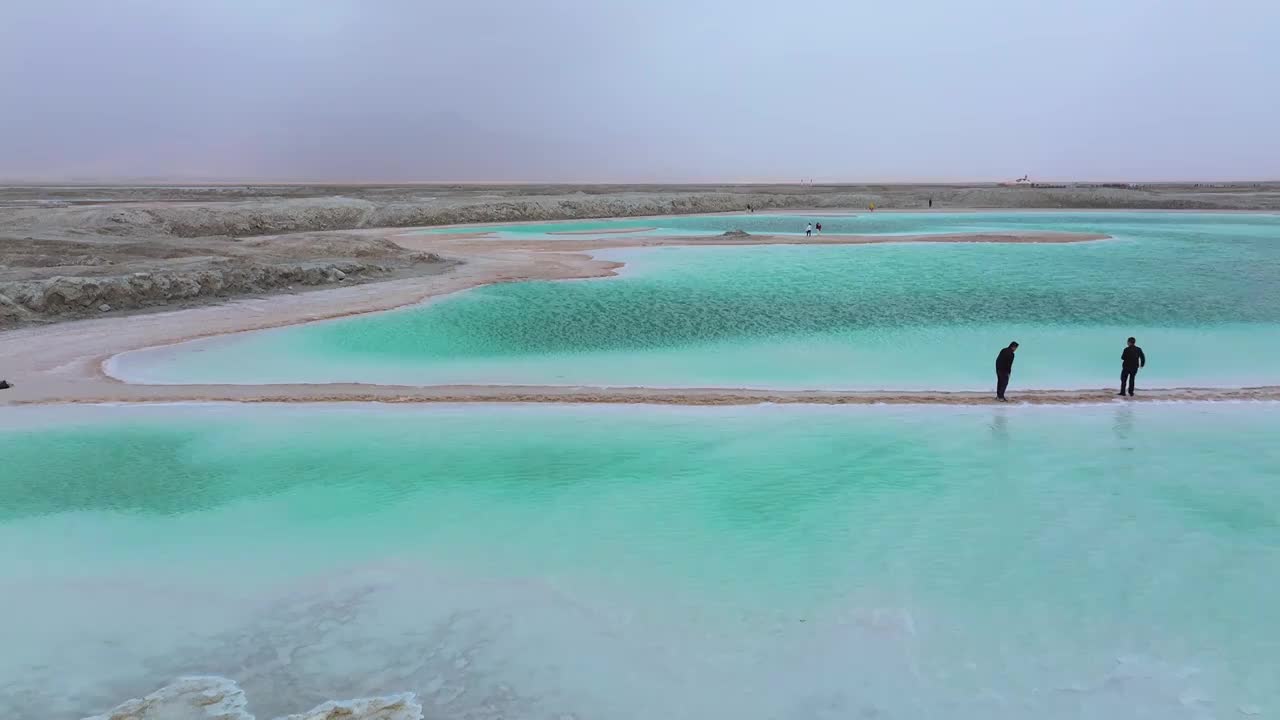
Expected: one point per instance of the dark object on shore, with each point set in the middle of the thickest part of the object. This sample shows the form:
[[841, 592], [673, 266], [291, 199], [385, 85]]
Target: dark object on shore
[[736, 232], [4, 385], [1131, 359], [1004, 368]]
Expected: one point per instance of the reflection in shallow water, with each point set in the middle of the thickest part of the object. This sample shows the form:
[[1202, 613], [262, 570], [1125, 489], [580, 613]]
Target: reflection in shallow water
[[1000, 427], [1124, 424]]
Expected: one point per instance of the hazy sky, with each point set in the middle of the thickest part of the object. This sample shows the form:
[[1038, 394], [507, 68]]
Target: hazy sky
[[639, 90]]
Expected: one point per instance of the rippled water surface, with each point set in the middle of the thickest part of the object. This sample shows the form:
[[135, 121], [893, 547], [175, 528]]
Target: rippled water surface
[[1201, 292], [766, 562]]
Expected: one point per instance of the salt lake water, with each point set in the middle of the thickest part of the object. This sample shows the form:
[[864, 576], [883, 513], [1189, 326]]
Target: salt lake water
[[1200, 291], [554, 561], [869, 223]]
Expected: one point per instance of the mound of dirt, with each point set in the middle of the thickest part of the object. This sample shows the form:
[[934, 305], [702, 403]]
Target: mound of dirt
[[62, 297]]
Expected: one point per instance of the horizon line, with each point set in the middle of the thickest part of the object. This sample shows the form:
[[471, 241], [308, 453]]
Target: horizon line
[[172, 181]]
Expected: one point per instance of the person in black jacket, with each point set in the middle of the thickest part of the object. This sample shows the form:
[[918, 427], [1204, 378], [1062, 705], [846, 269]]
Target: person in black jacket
[[1004, 366], [1130, 360]]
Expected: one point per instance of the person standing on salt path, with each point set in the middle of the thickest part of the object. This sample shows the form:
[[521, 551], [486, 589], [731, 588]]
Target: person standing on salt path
[[818, 227], [1131, 359], [1004, 368], [808, 230]]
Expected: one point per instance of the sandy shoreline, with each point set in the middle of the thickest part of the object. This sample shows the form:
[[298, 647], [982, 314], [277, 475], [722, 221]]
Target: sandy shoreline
[[458, 394], [64, 363], [458, 243]]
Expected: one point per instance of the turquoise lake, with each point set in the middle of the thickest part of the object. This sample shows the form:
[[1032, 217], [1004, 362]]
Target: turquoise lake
[[1200, 291], [552, 561], [1108, 560], [869, 223]]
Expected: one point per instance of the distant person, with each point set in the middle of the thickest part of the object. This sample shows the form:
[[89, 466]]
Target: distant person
[[818, 227], [1004, 367], [871, 207], [930, 203], [1131, 359], [750, 209], [808, 230]]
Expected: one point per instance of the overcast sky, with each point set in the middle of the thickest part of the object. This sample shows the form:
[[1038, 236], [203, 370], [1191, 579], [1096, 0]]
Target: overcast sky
[[639, 90]]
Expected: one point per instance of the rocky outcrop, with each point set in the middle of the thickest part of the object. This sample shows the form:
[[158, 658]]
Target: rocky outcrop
[[392, 707], [189, 698], [735, 233], [216, 698], [62, 296]]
